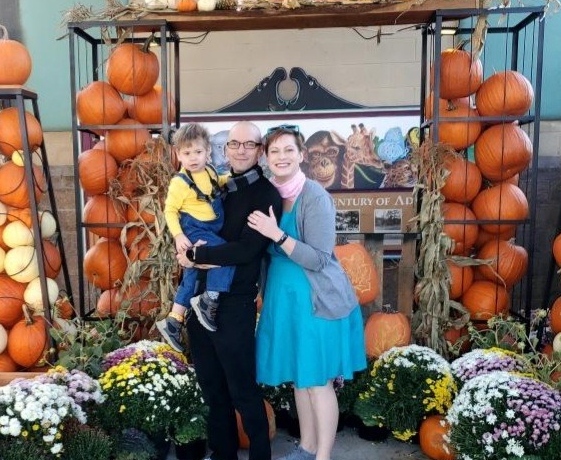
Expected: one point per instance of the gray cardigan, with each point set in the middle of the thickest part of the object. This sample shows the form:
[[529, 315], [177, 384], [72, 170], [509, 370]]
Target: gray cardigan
[[333, 296]]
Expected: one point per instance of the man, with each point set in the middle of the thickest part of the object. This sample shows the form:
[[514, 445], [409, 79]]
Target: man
[[225, 360]]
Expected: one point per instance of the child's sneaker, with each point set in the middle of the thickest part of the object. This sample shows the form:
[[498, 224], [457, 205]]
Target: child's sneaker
[[170, 329], [205, 309]]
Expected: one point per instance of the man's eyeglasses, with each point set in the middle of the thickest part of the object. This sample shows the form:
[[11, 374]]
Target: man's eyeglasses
[[293, 128], [248, 145]]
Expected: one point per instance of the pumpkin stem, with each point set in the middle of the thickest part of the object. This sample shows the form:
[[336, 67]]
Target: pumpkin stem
[[27, 315], [151, 39], [388, 308], [5, 35]]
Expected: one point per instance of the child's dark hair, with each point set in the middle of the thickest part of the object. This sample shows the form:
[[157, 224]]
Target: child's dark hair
[[189, 133]]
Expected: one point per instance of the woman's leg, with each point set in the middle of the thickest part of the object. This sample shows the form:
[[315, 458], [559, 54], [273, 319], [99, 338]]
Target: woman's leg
[[318, 414], [326, 412]]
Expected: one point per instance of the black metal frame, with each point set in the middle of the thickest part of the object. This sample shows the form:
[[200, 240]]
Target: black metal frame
[[17, 97], [82, 34], [530, 16]]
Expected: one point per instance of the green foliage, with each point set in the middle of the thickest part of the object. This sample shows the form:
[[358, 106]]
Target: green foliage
[[17, 449], [83, 442], [404, 385], [348, 392], [83, 344], [133, 444]]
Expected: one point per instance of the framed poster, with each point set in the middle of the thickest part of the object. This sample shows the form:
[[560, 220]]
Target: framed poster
[[362, 157]]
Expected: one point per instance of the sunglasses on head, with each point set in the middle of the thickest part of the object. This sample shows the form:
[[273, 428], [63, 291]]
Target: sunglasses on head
[[292, 128]]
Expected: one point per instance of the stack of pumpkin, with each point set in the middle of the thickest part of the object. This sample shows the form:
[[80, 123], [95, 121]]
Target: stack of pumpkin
[[23, 329], [122, 111], [483, 202], [555, 309]]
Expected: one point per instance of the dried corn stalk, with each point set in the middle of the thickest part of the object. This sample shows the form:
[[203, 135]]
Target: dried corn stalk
[[433, 313], [152, 172]]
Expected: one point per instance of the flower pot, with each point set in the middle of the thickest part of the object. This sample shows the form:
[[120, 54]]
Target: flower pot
[[162, 446], [372, 433], [194, 450]]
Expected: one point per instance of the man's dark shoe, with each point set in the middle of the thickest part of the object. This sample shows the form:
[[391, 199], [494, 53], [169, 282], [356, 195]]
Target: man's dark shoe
[[205, 309], [170, 329]]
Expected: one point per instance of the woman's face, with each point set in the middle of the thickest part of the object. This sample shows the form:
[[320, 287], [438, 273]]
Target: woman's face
[[284, 157]]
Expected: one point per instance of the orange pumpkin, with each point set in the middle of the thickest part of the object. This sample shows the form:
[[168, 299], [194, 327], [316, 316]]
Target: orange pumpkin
[[242, 436], [16, 60], [509, 262], [11, 136], [51, 259], [384, 330], [7, 364], [186, 5], [503, 202], [105, 264], [463, 231], [140, 250], [11, 300], [27, 340], [458, 134], [63, 308], [433, 434], [96, 169], [463, 181], [137, 300], [502, 151], [147, 214], [485, 299], [13, 185], [453, 336], [460, 74], [460, 279], [128, 180], [132, 69], [556, 249], [99, 104], [443, 104], [148, 108], [21, 215], [505, 93], [126, 142], [555, 316], [361, 270], [507, 232], [103, 210]]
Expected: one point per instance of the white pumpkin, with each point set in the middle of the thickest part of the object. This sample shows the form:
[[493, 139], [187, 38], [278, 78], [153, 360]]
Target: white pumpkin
[[18, 157], [557, 342], [206, 5], [16, 233], [3, 338], [48, 224], [34, 297], [66, 326], [3, 213], [21, 264]]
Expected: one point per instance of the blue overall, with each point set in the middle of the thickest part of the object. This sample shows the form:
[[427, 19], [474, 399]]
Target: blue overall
[[218, 279]]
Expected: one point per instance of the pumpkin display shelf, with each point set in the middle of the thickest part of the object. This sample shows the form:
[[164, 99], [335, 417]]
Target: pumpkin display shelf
[[35, 269], [483, 119], [122, 159]]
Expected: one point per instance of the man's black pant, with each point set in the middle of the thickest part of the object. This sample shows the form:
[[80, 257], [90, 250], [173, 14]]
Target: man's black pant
[[225, 365]]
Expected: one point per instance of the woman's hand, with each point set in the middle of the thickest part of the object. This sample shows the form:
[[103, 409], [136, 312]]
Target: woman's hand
[[265, 224]]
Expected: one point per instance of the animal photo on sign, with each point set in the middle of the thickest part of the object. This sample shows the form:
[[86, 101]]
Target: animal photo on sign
[[347, 221], [387, 220], [345, 149]]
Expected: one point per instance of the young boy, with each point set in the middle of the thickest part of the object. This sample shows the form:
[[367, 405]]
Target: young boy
[[193, 211]]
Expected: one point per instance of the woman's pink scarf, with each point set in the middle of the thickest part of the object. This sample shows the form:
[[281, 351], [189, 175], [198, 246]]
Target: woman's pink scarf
[[290, 189]]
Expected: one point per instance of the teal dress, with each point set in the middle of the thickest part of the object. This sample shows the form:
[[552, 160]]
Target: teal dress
[[293, 345]]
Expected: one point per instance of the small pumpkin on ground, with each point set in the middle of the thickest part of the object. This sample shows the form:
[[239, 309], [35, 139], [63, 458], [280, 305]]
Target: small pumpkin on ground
[[433, 435], [242, 436]]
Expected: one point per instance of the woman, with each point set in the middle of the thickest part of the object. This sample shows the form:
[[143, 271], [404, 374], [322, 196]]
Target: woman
[[310, 330]]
